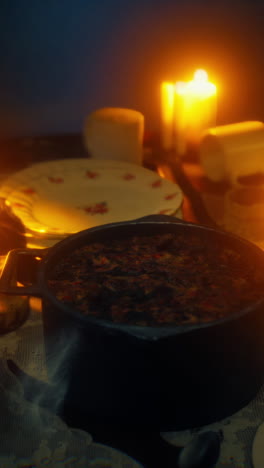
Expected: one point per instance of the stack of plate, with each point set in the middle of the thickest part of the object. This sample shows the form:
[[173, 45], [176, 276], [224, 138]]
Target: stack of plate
[[58, 198]]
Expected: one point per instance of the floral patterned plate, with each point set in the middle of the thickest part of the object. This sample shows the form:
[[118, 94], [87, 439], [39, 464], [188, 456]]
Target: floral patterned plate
[[58, 198]]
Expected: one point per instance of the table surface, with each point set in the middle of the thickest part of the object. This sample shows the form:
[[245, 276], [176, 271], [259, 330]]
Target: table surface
[[25, 345]]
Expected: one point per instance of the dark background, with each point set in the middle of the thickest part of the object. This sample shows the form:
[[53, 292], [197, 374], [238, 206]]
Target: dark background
[[61, 59]]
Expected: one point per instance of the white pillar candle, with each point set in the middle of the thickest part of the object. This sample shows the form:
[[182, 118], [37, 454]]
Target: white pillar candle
[[115, 133], [228, 152]]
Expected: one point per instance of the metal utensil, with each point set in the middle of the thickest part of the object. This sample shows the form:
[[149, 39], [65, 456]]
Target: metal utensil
[[201, 452]]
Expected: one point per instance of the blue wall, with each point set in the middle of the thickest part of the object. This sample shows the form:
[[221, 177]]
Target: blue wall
[[60, 59]]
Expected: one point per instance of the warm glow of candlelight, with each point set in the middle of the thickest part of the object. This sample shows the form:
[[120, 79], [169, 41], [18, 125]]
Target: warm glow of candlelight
[[180, 88], [188, 109], [168, 93], [195, 109], [165, 172], [198, 87], [161, 172], [167, 114]]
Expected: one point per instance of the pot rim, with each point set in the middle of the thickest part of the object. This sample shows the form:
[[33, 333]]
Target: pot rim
[[143, 332]]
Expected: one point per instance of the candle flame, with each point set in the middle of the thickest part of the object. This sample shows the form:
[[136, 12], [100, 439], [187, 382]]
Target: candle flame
[[199, 87], [200, 75]]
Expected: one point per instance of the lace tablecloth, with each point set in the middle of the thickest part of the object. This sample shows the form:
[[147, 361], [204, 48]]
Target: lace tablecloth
[[36, 438], [60, 446], [29, 435]]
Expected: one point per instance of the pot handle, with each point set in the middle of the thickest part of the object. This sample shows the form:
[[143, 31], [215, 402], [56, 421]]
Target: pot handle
[[20, 267]]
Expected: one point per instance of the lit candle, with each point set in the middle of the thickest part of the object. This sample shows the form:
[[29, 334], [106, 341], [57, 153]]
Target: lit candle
[[167, 115], [194, 110]]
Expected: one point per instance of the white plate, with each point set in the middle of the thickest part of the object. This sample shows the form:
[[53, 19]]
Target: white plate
[[58, 198]]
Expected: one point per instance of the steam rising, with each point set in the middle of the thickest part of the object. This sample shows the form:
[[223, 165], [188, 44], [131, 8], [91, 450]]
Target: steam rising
[[51, 395]]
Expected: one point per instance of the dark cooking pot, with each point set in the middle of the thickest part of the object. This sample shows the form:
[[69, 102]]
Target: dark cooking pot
[[167, 378]]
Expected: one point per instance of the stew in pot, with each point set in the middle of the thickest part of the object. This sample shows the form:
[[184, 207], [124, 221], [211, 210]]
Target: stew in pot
[[157, 280]]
